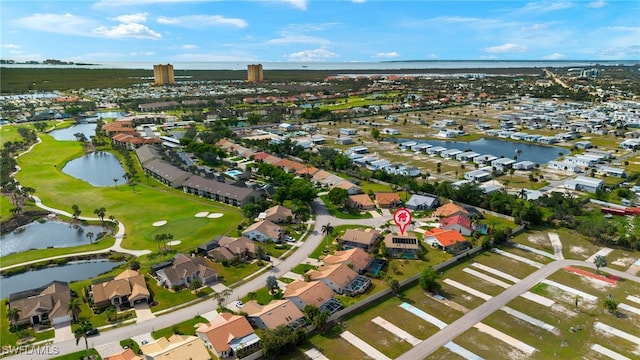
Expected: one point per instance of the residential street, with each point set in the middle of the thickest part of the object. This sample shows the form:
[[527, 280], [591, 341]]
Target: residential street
[[296, 257]]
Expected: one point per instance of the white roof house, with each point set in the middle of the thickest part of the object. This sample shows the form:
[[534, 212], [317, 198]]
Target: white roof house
[[583, 183]]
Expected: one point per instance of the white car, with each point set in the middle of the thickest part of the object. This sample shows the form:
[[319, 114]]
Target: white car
[[239, 304]]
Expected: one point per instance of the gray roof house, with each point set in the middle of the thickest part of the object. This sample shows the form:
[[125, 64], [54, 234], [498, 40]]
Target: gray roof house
[[219, 191], [148, 153], [421, 202], [166, 173], [583, 183]]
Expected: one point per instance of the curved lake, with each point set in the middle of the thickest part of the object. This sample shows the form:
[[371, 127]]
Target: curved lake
[[539, 154], [38, 235], [75, 271], [67, 134], [98, 168]]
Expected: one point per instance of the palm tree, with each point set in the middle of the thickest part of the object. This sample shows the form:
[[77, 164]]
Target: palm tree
[[115, 181], [74, 307], [195, 284], [76, 211], [100, 212], [81, 332], [600, 261], [111, 313], [327, 229], [13, 315], [90, 236]]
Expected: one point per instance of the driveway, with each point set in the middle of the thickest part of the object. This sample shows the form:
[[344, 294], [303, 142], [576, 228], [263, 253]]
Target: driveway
[[143, 312], [63, 332]]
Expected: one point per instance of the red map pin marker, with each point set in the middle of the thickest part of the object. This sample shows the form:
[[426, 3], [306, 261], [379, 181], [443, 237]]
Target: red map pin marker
[[402, 218]]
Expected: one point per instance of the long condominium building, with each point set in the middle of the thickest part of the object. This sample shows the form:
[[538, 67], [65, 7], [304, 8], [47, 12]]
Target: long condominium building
[[254, 73], [163, 74]]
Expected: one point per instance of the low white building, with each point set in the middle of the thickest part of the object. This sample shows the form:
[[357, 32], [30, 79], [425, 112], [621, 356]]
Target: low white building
[[583, 183]]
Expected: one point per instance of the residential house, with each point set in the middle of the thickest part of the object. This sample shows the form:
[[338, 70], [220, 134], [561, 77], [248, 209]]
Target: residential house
[[583, 183], [183, 269], [351, 188], [315, 293], [403, 246], [612, 171], [126, 354], [166, 173], [228, 248], [229, 335], [356, 258], [347, 131], [524, 165], [43, 305], [388, 200], [344, 140], [478, 175], [340, 278], [450, 209], [446, 240], [176, 347], [359, 238], [263, 231], [276, 313], [458, 222], [148, 153], [279, 214], [421, 202], [220, 191], [127, 288], [360, 201]]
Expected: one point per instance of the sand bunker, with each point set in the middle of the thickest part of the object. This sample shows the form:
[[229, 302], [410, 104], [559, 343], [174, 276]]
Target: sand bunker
[[160, 223], [174, 242], [214, 215], [202, 214]]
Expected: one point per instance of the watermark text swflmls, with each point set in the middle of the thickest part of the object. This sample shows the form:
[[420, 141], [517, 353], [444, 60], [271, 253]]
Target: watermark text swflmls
[[30, 350]]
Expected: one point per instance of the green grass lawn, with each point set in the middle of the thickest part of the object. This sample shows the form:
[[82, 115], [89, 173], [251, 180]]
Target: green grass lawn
[[78, 355], [10, 338], [303, 268], [130, 344], [187, 327], [166, 298], [343, 214], [5, 207], [333, 346], [42, 170]]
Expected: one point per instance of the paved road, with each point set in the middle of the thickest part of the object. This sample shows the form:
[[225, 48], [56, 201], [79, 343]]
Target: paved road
[[297, 257], [433, 343]]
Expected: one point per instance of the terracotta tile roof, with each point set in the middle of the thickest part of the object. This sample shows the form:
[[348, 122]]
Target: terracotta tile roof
[[308, 171], [456, 220], [275, 313], [128, 283], [340, 274], [346, 185], [176, 347], [361, 199], [387, 199], [314, 293], [260, 156], [445, 238], [356, 256], [224, 328], [449, 209], [127, 354], [52, 299]]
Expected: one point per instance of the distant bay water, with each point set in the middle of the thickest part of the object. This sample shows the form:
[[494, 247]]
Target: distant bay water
[[336, 66]]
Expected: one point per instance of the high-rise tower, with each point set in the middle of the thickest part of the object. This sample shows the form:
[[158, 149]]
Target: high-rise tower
[[163, 75], [254, 73]]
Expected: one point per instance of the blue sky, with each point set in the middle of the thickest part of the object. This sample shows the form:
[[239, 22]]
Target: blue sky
[[318, 30]]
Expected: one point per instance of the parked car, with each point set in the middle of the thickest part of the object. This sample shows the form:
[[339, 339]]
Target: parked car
[[239, 304], [93, 332], [266, 257]]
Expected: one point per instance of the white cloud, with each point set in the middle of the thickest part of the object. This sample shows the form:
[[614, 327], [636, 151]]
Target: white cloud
[[189, 46], [432, 56], [387, 55], [57, 23], [471, 21], [541, 7], [554, 56], [198, 21], [509, 47], [132, 18], [358, 1], [123, 31], [298, 39], [142, 53], [311, 55], [120, 3], [596, 4], [299, 4], [11, 46]]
